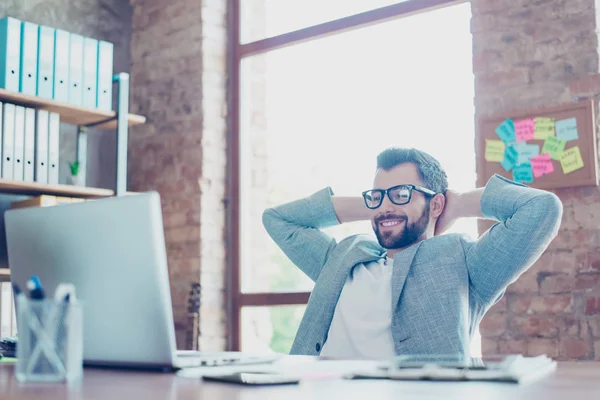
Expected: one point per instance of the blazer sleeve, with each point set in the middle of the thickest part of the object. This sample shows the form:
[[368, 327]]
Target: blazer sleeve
[[296, 229], [528, 220]]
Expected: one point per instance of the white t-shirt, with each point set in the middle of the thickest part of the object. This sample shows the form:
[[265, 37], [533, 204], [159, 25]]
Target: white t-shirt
[[361, 327]]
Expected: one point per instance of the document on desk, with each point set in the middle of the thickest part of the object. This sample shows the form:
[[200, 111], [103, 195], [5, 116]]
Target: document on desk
[[512, 369], [300, 367]]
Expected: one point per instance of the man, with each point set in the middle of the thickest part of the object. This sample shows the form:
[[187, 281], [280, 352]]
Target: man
[[413, 291]]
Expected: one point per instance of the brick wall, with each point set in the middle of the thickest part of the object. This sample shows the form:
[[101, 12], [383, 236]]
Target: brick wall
[[178, 54], [526, 55]]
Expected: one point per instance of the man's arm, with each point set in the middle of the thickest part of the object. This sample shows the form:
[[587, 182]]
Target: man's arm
[[528, 220], [296, 227]]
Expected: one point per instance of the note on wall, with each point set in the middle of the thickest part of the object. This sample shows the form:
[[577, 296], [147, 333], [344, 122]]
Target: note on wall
[[571, 160], [541, 165], [506, 131], [511, 155], [523, 173], [524, 129], [554, 147], [544, 127], [494, 150], [566, 129], [526, 151]]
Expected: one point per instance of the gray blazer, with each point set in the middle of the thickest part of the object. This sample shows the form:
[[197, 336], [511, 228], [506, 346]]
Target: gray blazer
[[441, 287]]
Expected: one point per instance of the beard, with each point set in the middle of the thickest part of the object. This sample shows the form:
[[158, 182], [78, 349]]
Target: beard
[[407, 236]]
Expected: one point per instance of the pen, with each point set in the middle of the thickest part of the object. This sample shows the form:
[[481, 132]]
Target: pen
[[35, 288]]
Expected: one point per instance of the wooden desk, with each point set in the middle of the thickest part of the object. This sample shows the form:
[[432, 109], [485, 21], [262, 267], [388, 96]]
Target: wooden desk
[[571, 381]]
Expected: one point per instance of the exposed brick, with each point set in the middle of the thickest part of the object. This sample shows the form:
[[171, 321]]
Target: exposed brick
[[489, 346], [493, 325], [537, 346], [594, 326], [558, 284], [592, 305], [499, 307], [571, 348], [585, 85], [527, 283], [535, 326], [512, 346], [541, 304]]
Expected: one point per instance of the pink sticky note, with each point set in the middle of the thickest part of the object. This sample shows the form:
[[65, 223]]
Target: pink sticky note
[[524, 129], [541, 165]]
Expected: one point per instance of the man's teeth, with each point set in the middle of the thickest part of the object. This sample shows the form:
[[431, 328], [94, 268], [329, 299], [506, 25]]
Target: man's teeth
[[390, 223]]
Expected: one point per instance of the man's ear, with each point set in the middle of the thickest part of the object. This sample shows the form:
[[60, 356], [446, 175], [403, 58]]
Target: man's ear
[[436, 205]]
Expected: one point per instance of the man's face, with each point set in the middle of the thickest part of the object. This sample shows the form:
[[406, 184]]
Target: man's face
[[398, 226]]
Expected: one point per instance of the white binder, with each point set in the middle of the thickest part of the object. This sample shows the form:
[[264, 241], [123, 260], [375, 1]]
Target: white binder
[[8, 140], [29, 158], [75, 69], [41, 146], [53, 147], [90, 72], [19, 152]]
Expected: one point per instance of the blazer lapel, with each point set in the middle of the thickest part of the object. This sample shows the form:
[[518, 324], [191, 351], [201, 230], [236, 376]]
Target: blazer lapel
[[402, 264]]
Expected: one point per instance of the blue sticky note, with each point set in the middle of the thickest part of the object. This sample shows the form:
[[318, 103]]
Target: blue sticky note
[[526, 151], [566, 129], [511, 155], [506, 131], [523, 173]]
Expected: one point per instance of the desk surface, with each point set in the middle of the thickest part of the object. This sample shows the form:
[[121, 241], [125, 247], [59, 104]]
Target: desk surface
[[570, 381]]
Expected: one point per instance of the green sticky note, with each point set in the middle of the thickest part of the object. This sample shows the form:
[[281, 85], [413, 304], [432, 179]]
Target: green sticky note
[[571, 160], [553, 146], [544, 127], [494, 150], [523, 173]]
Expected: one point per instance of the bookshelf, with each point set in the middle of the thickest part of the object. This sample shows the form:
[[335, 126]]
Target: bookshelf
[[83, 117], [4, 275], [70, 113]]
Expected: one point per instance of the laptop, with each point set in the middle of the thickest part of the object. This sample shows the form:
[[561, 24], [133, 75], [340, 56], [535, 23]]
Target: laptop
[[113, 251]]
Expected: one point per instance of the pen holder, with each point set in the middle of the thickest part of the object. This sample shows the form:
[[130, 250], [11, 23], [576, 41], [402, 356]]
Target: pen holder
[[50, 346]]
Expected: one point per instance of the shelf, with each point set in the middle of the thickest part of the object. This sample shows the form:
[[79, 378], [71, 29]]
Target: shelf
[[70, 113], [34, 188], [4, 275]]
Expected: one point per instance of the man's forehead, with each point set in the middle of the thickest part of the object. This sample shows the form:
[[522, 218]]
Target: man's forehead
[[406, 173]]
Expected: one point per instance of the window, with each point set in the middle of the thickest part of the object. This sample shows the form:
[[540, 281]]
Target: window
[[317, 113]]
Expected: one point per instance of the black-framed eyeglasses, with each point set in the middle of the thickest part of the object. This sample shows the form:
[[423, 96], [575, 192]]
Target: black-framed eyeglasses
[[400, 195]]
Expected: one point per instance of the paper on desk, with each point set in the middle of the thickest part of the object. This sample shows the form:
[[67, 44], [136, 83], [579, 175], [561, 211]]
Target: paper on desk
[[304, 368]]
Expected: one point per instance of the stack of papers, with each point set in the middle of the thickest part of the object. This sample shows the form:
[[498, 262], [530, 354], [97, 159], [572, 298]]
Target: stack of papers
[[511, 368]]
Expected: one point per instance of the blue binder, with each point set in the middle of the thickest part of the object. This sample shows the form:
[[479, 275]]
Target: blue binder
[[10, 53], [61, 65], [45, 62], [75, 69], [29, 49], [105, 75], [90, 72]]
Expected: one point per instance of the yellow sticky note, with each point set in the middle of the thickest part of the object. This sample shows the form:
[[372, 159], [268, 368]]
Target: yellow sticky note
[[494, 150], [544, 127], [571, 160]]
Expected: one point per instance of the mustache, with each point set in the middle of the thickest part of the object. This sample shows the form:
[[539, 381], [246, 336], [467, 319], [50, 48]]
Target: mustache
[[382, 218]]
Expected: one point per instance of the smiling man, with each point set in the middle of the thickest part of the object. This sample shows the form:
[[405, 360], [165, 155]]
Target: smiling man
[[414, 290]]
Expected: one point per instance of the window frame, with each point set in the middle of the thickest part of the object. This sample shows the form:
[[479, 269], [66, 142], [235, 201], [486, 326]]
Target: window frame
[[237, 52]]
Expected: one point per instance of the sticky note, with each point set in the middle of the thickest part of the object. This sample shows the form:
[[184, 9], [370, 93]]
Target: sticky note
[[494, 150], [571, 160], [554, 147], [523, 173], [506, 131], [511, 155], [541, 165], [526, 151], [524, 129], [544, 127], [566, 129]]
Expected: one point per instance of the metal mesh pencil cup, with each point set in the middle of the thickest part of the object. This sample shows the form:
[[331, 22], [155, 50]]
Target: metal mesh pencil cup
[[50, 346]]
